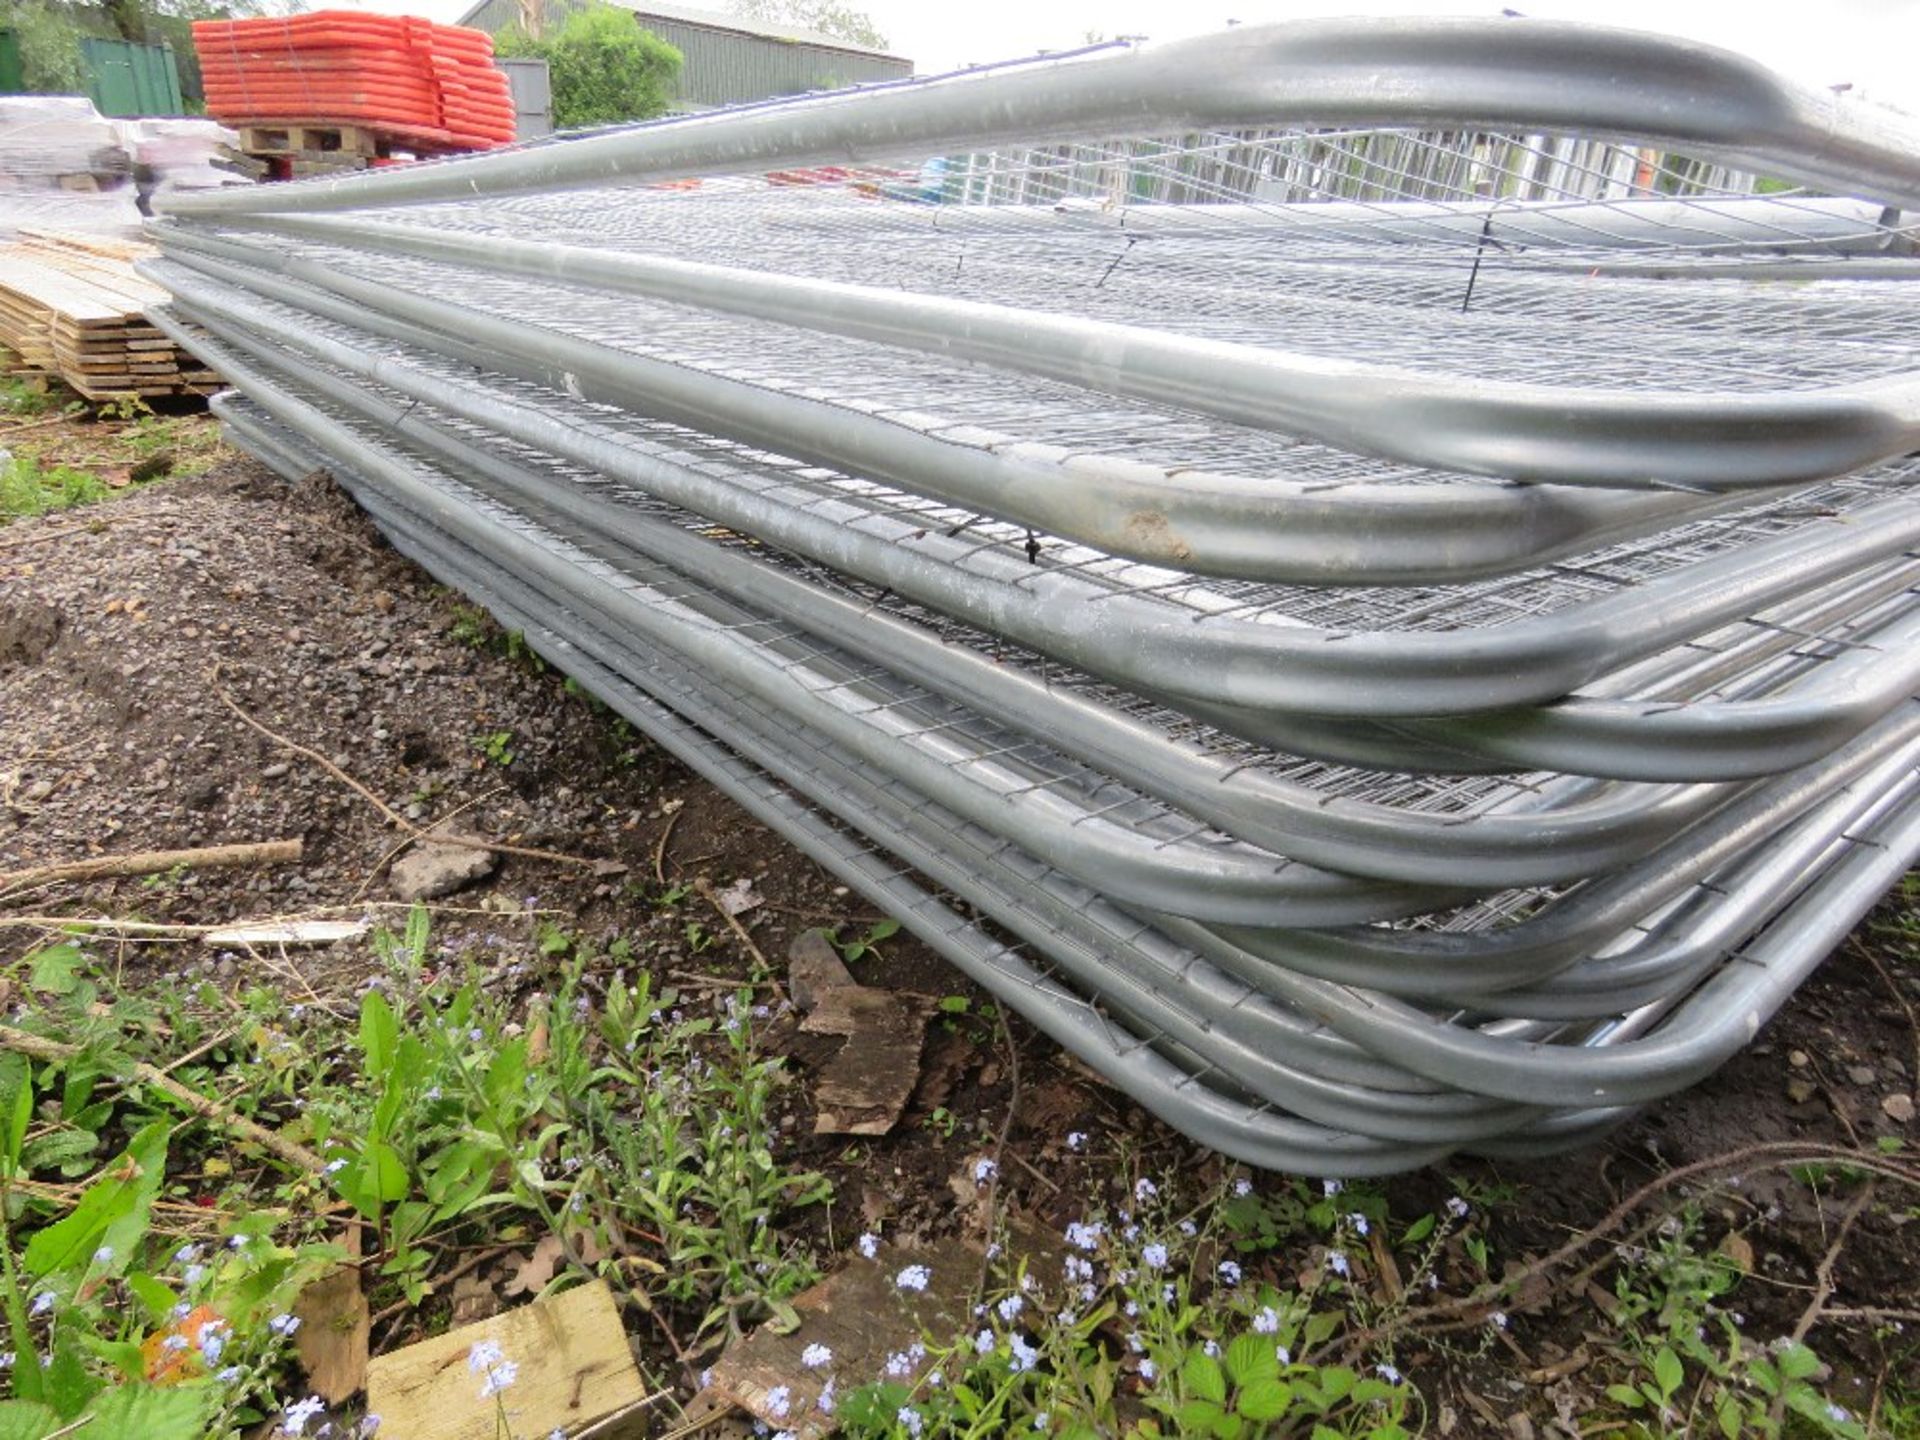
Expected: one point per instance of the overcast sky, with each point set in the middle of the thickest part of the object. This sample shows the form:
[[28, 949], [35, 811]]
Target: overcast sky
[[1874, 44]]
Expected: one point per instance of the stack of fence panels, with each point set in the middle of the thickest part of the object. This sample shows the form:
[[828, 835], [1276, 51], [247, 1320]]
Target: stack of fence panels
[[1380, 620]]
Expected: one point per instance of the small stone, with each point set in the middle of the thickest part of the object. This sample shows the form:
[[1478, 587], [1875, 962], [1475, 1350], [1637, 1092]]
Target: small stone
[[39, 790], [1798, 1059], [275, 771], [1899, 1106], [383, 602], [1800, 1091], [430, 870], [1861, 1074]]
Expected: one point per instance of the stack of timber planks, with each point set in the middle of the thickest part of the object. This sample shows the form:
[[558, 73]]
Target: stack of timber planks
[[72, 306]]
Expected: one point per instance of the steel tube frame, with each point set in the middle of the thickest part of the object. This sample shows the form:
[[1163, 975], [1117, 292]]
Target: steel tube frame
[[1537, 75], [1212, 524], [1506, 430]]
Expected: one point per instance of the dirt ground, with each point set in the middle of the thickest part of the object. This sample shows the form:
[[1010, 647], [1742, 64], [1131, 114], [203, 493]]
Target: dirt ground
[[122, 628]]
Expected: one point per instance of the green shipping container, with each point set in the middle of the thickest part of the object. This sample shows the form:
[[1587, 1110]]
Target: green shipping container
[[13, 78], [128, 79]]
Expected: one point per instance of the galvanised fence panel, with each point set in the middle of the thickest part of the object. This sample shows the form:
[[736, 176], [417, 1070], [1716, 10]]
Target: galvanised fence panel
[[1393, 605]]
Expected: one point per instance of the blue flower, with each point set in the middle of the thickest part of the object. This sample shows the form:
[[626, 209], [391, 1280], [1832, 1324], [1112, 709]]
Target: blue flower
[[1154, 1256], [1025, 1357], [914, 1277], [294, 1418], [1085, 1235]]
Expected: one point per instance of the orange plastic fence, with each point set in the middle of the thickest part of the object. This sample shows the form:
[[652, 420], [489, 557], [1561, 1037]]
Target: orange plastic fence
[[429, 86]]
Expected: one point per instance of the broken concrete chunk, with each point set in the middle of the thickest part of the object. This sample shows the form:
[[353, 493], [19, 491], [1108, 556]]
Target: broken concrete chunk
[[433, 869]]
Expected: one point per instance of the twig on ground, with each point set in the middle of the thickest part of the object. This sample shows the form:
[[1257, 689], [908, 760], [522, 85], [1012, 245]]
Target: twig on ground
[[696, 1426], [1823, 1286], [711, 982], [37, 1047], [1871, 1312], [707, 894], [108, 925], [660, 846], [134, 929], [1465, 1311], [1000, 1140], [94, 523], [39, 424], [608, 1422], [157, 862], [417, 832]]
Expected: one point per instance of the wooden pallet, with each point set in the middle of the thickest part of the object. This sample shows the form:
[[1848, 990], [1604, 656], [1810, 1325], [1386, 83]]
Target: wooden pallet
[[310, 139], [73, 307]]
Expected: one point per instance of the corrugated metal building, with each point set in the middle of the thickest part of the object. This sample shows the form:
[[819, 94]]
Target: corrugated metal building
[[728, 59]]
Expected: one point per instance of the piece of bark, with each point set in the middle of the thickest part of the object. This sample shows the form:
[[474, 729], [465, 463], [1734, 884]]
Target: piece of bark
[[335, 1329], [863, 1088], [474, 1300], [574, 1367], [863, 1316], [290, 932]]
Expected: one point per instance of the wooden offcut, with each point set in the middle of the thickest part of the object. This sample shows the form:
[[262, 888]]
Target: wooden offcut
[[73, 307], [573, 1369]]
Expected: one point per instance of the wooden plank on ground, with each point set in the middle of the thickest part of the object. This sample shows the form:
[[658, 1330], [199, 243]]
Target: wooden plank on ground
[[574, 1367]]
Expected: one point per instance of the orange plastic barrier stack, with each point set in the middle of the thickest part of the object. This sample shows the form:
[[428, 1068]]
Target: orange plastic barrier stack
[[432, 87]]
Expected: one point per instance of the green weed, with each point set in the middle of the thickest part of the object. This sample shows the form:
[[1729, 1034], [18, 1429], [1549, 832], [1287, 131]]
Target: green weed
[[496, 746], [28, 489]]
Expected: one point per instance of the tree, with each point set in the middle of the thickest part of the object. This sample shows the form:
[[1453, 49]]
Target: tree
[[603, 67], [51, 30], [829, 17]]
